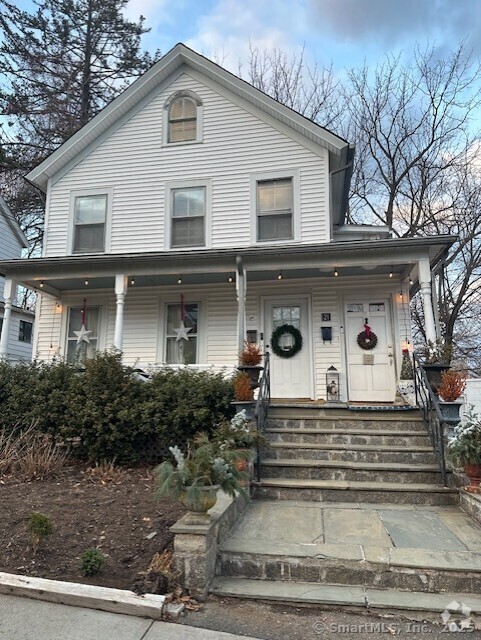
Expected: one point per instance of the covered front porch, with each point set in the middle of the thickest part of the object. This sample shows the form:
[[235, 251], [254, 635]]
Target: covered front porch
[[137, 303]]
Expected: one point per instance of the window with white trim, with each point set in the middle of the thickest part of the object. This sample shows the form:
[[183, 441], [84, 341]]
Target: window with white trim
[[90, 215], [274, 209], [188, 209], [25, 329], [180, 351], [78, 348], [182, 120]]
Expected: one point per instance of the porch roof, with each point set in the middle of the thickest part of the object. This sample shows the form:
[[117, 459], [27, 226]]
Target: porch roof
[[350, 258]]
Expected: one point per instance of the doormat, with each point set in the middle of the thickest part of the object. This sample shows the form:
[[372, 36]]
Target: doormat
[[381, 407]]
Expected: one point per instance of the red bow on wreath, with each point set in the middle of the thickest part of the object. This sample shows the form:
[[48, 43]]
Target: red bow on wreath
[[367, 330]]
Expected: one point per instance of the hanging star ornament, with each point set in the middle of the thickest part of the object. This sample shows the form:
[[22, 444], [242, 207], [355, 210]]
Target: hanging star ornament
[[181, 332], [83, 335]]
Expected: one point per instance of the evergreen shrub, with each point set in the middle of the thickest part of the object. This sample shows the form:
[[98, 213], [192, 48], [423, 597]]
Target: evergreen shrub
[[106, 413]]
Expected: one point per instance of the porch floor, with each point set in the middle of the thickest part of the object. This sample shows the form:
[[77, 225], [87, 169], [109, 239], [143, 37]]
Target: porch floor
[[416, 552]]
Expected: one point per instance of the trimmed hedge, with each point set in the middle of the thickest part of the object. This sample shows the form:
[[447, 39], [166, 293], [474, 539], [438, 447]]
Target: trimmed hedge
[[108, 412]]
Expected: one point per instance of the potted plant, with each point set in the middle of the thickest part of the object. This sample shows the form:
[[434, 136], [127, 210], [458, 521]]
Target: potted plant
[[406, 379], [464, 449], [250, 362], [452, 386], [243, 394], [437, 358], [239, 433], [196, 477]]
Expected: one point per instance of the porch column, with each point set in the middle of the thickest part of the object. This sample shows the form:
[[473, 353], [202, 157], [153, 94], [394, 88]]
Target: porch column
[[120, 292], [8, 294], [426, 292], [241, 304]]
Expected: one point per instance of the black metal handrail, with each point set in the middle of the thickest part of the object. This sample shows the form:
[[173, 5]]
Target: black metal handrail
[[428, 402], [262, 405]]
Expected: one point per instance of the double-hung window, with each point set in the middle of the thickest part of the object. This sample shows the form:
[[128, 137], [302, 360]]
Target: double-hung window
[[90, 215], [188, 213], [274, 209], [79, 348], [180, 351]]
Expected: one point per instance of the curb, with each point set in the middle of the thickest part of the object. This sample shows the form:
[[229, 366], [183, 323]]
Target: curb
[[83, 595]]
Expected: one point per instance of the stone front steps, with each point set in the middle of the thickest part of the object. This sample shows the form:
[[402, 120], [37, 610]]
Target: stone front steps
[[406, 569], [305, 593], [369, 555], [349, 456], [377, 472], [353, 452], [343, 491]]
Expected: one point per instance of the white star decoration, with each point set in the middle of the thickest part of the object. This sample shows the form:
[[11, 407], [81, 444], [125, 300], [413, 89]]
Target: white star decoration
[[83, 335], [181, 332]]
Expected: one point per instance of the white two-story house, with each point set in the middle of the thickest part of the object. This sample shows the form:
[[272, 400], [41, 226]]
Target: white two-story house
[[195, 212], [18, 343]]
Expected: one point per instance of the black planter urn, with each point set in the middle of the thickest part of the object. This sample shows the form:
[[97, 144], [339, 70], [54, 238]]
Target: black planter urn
[[433, 373], [253, 372]]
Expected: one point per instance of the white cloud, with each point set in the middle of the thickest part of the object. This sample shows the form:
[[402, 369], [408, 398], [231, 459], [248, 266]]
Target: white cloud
[[232, 26]]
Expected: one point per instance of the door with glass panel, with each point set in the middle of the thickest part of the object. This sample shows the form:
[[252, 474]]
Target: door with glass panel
[[371, 371], [290, 377]]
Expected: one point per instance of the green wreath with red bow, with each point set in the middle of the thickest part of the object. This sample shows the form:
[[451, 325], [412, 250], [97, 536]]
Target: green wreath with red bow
[[367, 339]]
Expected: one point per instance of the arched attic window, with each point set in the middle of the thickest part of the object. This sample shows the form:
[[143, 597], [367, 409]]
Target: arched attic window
[[183, 117]]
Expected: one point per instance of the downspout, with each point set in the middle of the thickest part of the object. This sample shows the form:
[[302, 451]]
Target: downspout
[[241, 304], [343, 204]]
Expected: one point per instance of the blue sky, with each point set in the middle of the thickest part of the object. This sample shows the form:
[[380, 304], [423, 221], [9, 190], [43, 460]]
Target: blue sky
[[346, 32], [342, 31]]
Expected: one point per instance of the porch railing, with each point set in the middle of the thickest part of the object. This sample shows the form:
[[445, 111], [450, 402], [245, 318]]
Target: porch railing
[[428, 402], [262, 405]]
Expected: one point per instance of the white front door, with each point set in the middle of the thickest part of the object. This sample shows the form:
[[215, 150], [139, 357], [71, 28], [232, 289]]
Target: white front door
[[290, 377], [371, 373]]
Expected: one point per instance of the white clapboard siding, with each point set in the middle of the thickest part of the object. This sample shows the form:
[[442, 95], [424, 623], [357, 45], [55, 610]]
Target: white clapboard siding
[[236, 144], [9, 246], [18, 350]]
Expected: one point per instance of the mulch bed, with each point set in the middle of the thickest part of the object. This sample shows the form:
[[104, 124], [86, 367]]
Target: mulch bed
[[114, 513]]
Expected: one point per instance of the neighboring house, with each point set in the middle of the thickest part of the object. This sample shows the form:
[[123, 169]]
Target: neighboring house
[[196, 200], [20, 334]]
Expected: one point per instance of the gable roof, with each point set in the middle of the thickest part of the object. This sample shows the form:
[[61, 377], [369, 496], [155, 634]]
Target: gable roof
[[12, 223], [158, 73]]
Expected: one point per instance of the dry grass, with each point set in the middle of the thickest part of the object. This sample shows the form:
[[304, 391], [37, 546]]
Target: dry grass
[[106, 473], [30, 455]]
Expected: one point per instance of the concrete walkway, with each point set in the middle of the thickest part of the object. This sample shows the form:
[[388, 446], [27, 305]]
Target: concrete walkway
[[26, 619]]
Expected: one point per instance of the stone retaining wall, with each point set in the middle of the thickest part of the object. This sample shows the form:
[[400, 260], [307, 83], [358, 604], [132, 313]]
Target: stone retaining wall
[[196, 545], [471, 503]]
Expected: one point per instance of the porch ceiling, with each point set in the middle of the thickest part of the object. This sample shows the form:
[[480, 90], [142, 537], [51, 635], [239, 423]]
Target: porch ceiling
[[352, 258], [108, 282]]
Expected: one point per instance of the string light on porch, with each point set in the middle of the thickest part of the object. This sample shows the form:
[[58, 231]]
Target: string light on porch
[[279, 277], [230, 279], [132, 281], [179, 280], [41, 284], [411, 282], [86, 283], [391, 273], [336, 272]]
